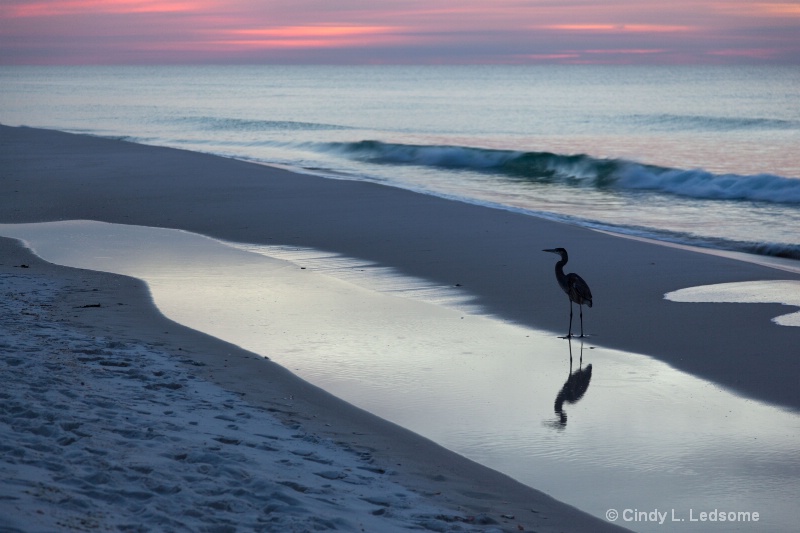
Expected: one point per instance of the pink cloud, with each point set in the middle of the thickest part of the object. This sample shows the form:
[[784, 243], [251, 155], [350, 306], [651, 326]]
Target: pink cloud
[[405, 31], [78, 7], [759, 9], [322, 36]]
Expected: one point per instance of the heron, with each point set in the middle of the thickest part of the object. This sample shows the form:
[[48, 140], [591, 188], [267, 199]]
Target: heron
[[577, 290]]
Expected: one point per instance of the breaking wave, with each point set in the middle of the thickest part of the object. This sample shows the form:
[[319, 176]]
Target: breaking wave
[[579, 170]]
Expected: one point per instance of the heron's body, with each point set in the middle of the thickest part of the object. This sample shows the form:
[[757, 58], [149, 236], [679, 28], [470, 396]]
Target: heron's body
[[576, 288]]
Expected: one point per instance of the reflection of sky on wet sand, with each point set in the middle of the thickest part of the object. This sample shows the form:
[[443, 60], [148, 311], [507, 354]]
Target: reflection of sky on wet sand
[[785, 292], [642, 436]]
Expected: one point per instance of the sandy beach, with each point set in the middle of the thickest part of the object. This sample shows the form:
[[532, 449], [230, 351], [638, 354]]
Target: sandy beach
[[493, 255]]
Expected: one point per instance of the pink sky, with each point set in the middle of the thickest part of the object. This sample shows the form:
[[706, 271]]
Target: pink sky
[[399, 31]]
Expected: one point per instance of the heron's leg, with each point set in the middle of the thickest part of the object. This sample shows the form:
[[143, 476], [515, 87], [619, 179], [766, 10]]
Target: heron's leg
[[569, 334], [570, 354], [580, 307]]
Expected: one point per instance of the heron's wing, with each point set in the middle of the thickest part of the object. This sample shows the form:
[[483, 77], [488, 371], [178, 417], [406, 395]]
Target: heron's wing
[[579, 291]]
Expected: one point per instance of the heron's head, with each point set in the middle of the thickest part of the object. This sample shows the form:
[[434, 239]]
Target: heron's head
[[558, 251]]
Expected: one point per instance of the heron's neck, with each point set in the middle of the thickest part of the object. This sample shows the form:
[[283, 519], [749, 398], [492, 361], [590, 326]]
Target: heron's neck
[[560, 276]]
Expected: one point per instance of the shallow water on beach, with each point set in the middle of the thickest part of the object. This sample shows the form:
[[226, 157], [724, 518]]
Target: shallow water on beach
[[597, 428], [786, 292]]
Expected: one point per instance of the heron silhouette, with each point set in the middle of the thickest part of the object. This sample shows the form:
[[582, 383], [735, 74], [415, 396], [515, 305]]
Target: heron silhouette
[[577, 290]]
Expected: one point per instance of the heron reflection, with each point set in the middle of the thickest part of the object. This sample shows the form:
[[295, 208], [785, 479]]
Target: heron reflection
[[573, 390]]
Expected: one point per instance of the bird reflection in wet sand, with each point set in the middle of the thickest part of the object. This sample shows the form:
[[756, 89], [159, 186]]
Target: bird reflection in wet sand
[[573, 390]]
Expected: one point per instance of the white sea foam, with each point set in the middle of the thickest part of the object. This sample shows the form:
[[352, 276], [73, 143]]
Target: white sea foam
[[699, 183]]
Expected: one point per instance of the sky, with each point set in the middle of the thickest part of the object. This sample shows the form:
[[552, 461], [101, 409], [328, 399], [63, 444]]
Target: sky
[[399, 32]]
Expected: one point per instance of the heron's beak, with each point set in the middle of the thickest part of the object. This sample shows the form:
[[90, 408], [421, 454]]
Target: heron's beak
[[551, 251]]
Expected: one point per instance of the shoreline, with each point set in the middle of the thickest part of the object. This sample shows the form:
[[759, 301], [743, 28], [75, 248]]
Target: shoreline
[[493, 254]]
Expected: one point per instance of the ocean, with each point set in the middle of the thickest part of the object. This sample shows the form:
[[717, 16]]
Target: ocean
[[706, 156]]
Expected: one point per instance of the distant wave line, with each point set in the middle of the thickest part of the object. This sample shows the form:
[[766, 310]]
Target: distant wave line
[[251, 125], [711, 123]]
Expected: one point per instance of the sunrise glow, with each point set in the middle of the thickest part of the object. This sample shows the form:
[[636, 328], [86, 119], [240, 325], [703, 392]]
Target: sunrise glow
[[400, 31], [307, 36], [83, 7]]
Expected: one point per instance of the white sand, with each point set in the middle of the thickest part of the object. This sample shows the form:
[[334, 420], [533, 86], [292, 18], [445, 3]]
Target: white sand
[[100, 434]]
